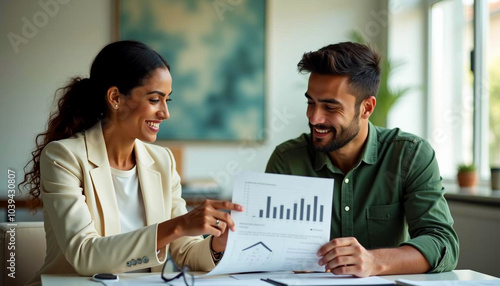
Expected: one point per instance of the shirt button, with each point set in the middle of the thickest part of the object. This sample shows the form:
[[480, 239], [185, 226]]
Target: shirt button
[[347, 208], [346, 181]]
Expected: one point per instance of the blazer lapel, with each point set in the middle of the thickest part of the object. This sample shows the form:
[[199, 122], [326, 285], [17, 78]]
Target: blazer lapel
[[101, 178], [151, 185]]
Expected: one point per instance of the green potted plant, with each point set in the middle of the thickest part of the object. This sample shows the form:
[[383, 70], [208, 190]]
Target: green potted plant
[[467, 175], [387, 96]]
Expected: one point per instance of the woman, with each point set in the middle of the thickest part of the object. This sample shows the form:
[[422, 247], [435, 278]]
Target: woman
[[112, 203]]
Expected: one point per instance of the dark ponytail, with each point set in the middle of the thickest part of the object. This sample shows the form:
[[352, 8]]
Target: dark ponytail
[[78, 109], [124, 64]]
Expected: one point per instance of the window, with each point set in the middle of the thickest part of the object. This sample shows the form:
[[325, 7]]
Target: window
[[493, 60], [464, 83]]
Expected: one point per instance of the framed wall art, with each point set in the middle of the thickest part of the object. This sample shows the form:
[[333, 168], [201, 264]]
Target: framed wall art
[[216, 50]]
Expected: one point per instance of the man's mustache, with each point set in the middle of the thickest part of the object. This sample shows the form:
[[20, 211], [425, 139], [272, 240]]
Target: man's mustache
[[324, 127]]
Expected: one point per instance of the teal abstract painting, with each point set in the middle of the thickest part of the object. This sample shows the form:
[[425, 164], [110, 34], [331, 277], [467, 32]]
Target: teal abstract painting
[[216, 50]]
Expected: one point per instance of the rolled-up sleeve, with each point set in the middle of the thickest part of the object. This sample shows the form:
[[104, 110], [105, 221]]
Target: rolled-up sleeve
[[430, 223]]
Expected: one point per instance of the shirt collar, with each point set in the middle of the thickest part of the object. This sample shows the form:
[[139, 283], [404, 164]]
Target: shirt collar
[[370, 152], [321, 159]]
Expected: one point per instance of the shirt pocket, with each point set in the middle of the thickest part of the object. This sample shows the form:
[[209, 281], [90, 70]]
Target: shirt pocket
[[386, 227]]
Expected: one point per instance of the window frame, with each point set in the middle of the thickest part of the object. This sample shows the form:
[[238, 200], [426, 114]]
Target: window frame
[[480, 152]]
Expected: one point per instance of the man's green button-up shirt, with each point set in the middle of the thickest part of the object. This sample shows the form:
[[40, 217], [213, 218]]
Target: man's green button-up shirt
[[392, 197]]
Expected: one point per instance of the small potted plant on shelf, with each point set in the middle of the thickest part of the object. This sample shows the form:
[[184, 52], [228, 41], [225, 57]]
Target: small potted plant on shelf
[[467, 176]]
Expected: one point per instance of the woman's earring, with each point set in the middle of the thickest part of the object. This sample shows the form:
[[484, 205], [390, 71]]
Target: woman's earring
[[116, 106]]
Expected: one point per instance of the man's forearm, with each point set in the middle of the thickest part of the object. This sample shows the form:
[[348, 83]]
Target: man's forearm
[[402, 260]]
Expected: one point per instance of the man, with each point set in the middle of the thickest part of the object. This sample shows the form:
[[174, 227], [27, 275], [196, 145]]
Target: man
[[387, 182]]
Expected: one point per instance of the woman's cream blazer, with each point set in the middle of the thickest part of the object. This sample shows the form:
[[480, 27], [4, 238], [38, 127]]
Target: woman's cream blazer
[[82, 222]]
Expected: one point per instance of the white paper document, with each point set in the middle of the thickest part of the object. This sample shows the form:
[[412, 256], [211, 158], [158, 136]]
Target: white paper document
[[285, 221], [449, 282], [260, 275], [329, 279]]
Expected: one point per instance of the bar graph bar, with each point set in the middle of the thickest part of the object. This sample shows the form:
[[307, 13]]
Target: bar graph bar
[[315, 207], [301, 209], [307, 212], [268, 207], [294, 211]]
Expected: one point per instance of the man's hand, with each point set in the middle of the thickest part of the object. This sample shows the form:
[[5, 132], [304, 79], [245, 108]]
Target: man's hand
[[347, 256]]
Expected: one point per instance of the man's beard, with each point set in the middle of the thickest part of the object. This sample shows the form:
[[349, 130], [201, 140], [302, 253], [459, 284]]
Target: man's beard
[[338, 141]]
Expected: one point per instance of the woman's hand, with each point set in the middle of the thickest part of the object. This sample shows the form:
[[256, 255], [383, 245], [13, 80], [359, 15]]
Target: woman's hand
[[203, 220], [219, 242]]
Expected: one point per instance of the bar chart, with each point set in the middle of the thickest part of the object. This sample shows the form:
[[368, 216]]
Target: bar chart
[[285, 220], [301, 211]]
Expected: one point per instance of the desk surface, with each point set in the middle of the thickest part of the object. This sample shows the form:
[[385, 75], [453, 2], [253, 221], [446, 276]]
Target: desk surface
[[69, 280]]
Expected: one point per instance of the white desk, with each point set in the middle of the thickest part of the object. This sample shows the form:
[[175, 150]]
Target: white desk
[[70, 280]]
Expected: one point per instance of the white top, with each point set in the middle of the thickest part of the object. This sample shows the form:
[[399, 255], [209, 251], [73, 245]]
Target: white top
[[130, 202], [129, 199]]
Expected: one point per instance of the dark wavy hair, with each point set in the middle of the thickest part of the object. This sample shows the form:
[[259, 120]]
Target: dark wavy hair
[[357, 61], [82, 102]]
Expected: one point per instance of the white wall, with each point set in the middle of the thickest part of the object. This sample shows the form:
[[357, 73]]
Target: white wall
[[407, 44], [61, 47], [66, 45]]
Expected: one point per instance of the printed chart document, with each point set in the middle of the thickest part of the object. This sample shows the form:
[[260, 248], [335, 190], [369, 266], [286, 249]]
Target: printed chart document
[[285, 221]]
